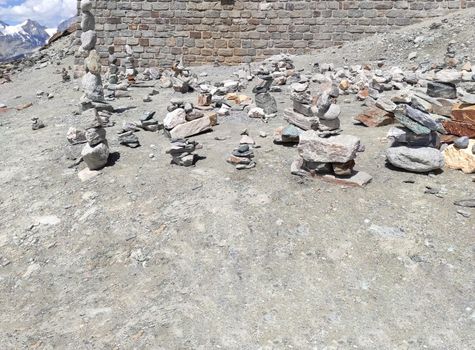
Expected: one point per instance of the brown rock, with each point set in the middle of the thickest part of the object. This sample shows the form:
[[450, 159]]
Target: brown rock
[[375, 117], [25, 106], [459, 128], [238, 160], [204, 99], [464, 113], [343, 169], [344, 84], [363, 94], [462, 159]]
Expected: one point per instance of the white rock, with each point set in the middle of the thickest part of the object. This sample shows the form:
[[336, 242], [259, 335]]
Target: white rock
[[174, 118]]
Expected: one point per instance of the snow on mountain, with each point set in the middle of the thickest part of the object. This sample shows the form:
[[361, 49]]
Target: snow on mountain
[[21, 39], [51, 31]]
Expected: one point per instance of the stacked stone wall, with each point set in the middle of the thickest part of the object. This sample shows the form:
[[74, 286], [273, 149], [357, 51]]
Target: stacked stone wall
[[231, 32]]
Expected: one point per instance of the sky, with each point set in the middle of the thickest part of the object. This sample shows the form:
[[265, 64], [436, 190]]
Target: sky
[[46, 12]]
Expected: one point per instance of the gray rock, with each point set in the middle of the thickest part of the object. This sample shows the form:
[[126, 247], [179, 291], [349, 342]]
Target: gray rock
[[88, 21], [335, 149], [95, 136], [418, 160], [267, 102], [88, 40], [86, 5], [129, 139], [92, 87], [443, 90], [462, 142], [95, 157]]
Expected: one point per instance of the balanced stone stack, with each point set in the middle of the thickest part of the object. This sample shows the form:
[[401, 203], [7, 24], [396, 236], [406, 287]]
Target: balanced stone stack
[[91, 82], [129, 64], [183, 120], [319, 113], [263, 98], [241, 157], [182, 152], [96, 151], [113, 66], [331, 159], [281, 69], [415, 146]]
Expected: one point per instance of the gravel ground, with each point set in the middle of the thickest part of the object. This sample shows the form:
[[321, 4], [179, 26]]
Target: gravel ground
[[153, 256]]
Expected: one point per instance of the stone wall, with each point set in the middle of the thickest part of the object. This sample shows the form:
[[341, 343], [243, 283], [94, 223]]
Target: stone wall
[[233, 31]]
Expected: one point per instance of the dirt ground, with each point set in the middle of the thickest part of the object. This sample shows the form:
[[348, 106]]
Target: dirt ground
[[153, 256]]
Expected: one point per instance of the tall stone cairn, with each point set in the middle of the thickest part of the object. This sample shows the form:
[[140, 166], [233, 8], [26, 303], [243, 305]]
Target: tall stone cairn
[[96, 151]]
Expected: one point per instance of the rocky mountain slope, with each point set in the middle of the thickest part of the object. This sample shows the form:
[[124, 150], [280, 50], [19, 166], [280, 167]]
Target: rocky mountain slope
[[147, 255], [18, 40]]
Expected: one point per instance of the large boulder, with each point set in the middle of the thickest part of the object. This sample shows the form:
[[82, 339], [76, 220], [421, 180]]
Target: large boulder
[[418, 160], [336, 149]]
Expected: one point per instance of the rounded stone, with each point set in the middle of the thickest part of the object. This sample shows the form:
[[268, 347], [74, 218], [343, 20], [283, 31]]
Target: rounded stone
[[93, 63], [418, 160], [95, 157], [88, 40], [86, 5], [462, 142]]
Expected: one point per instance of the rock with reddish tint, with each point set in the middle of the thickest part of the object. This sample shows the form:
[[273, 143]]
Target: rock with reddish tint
[[459, 128], [375, 117], [464, 113]]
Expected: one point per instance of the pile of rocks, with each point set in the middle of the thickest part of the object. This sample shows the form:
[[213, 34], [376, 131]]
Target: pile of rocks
[[279, 67], [91, 82], [265, 103], [182, 152], [331, 159], [415, 146], [96, 151], [183, 120], [242, 156], [319, 113]]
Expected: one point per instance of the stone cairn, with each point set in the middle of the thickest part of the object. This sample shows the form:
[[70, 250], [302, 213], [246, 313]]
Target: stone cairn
[[182, 152], [319, 113], [242, 156], [329, 158], [96, 151], [184, 120], [266, 105]]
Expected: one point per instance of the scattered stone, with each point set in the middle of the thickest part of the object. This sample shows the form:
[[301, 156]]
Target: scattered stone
[[375, 117], [129, 139], [460, 158], [37, 124], [440, 89], [193, 127], [462, 142], [419, 160]]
